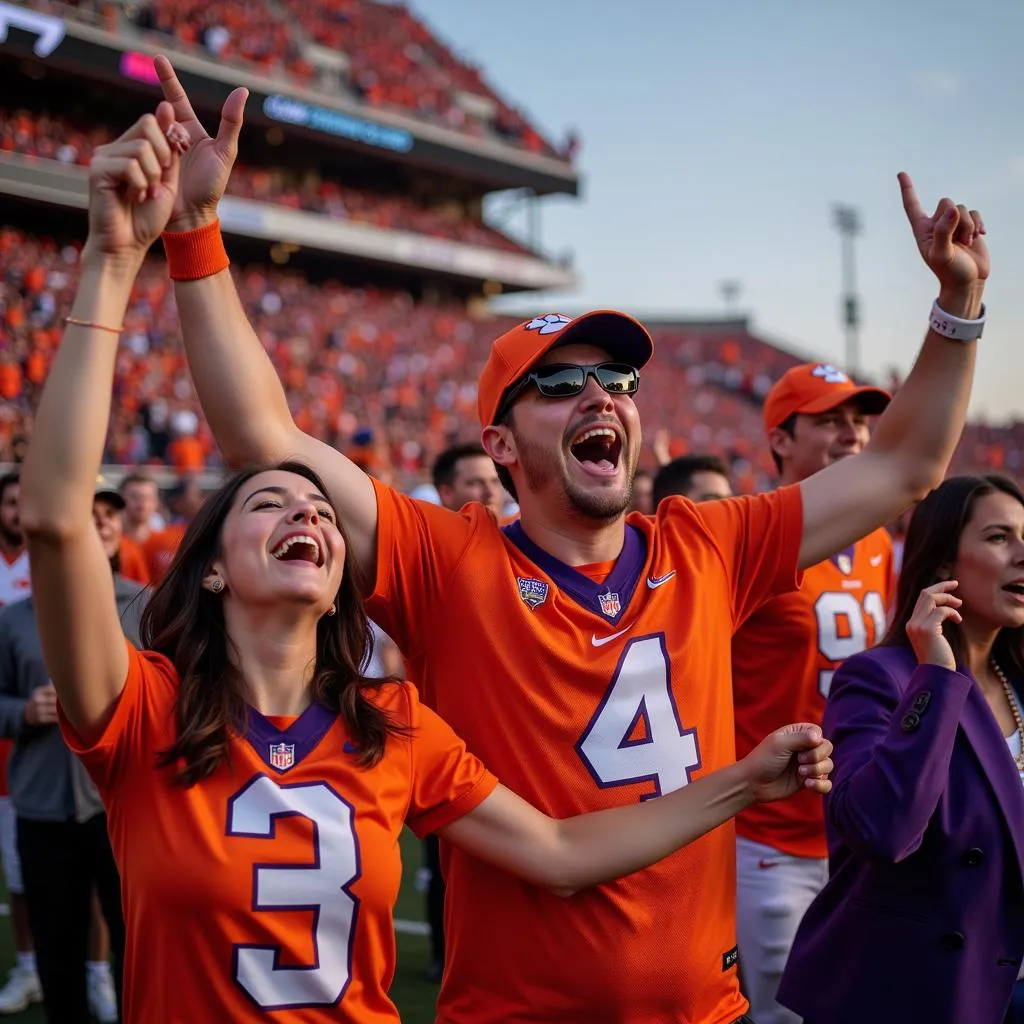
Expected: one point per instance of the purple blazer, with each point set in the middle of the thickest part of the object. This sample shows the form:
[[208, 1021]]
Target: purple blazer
[[922, 918]]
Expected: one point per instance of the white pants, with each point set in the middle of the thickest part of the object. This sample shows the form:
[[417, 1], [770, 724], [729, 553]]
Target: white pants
[[773, 891], [9, 847]]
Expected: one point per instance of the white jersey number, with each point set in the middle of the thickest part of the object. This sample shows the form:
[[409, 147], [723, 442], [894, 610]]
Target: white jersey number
[[640, 700], [321, 886], [839, 642]]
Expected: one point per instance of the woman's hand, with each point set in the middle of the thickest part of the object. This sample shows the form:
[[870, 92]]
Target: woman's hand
[[792, 758], [936, 605], [206, 167], [132, 184]]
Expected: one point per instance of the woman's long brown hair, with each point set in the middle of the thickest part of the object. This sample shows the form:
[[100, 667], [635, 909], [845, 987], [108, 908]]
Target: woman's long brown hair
[[930, 549], [185, 622]]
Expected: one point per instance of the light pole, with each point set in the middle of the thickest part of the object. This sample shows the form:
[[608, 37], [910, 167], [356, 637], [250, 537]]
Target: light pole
[[730, 291], [848, 224]]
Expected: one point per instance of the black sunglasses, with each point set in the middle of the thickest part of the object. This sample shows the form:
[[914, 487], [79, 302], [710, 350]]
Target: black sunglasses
[[562, 380]]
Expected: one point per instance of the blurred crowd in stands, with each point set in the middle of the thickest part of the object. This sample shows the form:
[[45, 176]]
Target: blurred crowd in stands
[[47, 137], [380, 54], [389, 381]]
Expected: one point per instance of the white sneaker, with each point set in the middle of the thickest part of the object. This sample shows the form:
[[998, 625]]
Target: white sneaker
[[102, 997], [22, 988]]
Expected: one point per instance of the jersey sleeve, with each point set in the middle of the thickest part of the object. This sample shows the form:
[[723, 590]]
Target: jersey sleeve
[[758, 538], [447, 780], [139, 727], [419, 548]]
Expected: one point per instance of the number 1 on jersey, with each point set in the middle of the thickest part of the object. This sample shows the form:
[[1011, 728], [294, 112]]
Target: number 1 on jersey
[[636, 734]]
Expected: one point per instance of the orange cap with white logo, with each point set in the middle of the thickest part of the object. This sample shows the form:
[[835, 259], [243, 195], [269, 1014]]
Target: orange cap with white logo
[[813, 388], [624, 339]]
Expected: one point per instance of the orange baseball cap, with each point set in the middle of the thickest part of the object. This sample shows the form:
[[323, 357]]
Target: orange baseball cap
[[624, 339], [817, 387]]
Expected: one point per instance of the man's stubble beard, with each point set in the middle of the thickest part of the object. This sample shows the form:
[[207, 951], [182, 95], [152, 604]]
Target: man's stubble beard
[[541, 466]]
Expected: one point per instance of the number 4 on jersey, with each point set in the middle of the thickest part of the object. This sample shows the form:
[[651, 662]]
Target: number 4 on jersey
[[636, 734]]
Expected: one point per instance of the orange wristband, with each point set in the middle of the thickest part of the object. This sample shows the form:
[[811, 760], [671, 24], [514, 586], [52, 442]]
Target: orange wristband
[[193, 255]]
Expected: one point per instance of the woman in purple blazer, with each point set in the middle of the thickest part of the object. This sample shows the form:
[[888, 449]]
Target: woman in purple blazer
[[922, 919]]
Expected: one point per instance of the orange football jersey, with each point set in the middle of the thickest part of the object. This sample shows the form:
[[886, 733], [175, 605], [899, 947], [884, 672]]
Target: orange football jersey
[[160, 549], [265, 892], [783, 660], [587, 695]]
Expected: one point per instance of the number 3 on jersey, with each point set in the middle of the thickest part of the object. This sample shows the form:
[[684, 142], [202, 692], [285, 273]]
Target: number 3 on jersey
[[322, 885], [636, 734], [842, 628]]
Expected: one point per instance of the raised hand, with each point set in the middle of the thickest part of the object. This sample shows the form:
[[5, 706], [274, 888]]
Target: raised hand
[[132, 186], [206, 166], [792, 758], [951, 241], [937, 604]]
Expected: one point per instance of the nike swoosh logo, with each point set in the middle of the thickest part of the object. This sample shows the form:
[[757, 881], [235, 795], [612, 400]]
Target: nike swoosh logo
[[607, 639], [765, 864], [876, 560], [656, 581]]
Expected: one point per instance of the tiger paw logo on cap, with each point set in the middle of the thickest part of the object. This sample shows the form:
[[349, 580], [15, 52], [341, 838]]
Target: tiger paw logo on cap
[[549, 324], [829, 374]]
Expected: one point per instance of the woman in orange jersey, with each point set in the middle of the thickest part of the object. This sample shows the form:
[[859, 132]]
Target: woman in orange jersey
[[256, 782]]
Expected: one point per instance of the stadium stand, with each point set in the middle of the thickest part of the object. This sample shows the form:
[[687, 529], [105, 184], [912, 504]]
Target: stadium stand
[[386, 56]]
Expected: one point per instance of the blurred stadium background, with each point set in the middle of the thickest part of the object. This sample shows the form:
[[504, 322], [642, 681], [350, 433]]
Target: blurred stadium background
[[356, 225]]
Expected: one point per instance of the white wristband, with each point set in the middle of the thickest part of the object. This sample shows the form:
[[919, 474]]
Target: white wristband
[[953, 327]]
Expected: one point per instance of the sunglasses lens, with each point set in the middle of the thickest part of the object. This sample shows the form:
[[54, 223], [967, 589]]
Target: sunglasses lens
[[618, 378], [560, 381]]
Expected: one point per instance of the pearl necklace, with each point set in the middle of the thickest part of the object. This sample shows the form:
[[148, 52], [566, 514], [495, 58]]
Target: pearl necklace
[[1001, 676]]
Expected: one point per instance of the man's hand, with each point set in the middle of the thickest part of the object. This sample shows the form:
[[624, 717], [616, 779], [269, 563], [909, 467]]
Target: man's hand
[[951, 241], [41, 707]]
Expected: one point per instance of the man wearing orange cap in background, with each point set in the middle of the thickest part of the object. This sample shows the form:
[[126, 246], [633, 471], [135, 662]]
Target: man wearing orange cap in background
[[783, 659], [585, 657]]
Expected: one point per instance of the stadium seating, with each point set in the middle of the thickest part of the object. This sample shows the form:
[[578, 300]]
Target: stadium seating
[[394, 60], [56, 138], [388, 380]]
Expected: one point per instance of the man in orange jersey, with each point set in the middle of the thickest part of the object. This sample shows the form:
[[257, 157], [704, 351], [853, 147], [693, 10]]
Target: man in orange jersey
[[783, 659], [585, 657], [184, 501]]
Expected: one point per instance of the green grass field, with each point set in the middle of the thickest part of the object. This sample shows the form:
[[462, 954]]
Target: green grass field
[[412, 993]]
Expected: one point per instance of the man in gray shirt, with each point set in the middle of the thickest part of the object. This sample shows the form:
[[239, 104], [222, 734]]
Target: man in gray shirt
[[61, 822]]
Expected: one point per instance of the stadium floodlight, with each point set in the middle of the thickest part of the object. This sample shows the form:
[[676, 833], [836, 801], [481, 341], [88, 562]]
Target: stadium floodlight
[[848, 223]]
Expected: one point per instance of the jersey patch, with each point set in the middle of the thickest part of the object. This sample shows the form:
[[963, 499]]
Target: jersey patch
[[533, 592]]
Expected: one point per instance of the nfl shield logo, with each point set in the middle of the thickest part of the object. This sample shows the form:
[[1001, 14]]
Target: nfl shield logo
[[610, 604], [845, 564], [533, 592], [282, 755]]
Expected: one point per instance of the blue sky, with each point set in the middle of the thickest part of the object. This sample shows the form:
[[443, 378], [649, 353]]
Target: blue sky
[[718, 136]]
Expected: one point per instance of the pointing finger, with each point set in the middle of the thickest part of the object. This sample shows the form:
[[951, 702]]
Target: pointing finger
[[911, 204], [175, 94]]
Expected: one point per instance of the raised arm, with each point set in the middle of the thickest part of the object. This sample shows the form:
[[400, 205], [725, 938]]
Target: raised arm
[[575, 853], [238, 387], [915, 437], [131, 189]]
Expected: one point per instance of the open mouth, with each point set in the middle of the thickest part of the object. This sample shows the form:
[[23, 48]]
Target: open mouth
[[1015, 588], [299, 547], [597, 449]]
